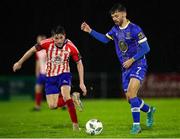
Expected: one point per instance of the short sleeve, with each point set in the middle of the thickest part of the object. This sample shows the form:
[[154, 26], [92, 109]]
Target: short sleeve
[[110, 34], [44, 44], [139, 34], [74, 52]]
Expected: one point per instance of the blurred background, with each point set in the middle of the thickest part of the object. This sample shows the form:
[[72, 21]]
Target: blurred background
[[22, 21]]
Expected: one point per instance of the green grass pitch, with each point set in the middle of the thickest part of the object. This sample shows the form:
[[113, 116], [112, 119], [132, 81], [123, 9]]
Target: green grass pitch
[[18, 121]]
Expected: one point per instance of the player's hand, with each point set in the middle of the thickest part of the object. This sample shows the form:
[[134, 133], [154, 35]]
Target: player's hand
[[83, 88], [16, 66], [128, 63], [85, 27]]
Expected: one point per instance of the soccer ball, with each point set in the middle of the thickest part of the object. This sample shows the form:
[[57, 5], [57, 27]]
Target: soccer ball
[[94, 127]]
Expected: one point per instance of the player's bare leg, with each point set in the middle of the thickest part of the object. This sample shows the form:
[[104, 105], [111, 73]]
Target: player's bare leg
[[52, 100], [150, 110], [65, 91], [38, 96], [132, 91]]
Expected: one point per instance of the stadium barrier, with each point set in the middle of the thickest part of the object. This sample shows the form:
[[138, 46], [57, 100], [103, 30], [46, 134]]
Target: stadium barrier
[[99, 85], [161, 85], [16, 86]]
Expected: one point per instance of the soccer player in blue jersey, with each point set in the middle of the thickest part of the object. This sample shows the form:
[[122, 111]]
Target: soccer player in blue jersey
[[131, 46]]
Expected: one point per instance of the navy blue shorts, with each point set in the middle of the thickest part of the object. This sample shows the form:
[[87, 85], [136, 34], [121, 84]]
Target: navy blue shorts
[[53, 84], [41, 79], [136, 71]]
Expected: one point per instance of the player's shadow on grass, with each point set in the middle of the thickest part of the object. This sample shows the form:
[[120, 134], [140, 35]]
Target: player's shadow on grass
[[58, 126], [144, 127]]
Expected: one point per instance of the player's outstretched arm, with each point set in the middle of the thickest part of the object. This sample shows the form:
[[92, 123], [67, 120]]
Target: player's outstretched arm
[[99, 36], [26, 56], [80, 69]]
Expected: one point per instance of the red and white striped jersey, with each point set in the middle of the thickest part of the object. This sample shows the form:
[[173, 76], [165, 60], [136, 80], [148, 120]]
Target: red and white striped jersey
[[58, 58], [41, 58]]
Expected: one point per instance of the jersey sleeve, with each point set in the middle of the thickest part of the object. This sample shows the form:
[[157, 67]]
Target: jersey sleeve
[[75, 53], [110, 34], [139, 35], [44, 44]]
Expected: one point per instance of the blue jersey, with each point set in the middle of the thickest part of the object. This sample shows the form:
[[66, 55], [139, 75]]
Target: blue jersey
[[128, 45], [127, 40]]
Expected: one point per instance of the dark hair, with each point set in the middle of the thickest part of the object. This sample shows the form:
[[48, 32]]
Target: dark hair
[[58, 30], [117, 7]]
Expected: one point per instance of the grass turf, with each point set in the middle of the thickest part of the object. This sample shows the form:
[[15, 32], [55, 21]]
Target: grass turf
[[19, 121]]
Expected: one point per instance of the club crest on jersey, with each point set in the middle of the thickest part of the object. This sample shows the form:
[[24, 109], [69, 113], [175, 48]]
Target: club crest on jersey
[[123, 46], [57, 60]]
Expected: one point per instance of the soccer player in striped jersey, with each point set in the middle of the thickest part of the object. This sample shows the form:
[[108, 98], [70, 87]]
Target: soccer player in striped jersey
[[58, 76], [131, 46], [40, 72]]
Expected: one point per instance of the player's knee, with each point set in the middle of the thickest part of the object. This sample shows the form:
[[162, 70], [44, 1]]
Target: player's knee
[[38, 92], [38, 88], [130, 94], [66, 98]]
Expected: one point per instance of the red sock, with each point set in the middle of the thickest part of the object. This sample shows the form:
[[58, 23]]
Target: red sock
[[72, 110], [38, 98], [61, 101]]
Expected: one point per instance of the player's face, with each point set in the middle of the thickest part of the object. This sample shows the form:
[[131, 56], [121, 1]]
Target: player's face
[[118, 17], [59, 39]]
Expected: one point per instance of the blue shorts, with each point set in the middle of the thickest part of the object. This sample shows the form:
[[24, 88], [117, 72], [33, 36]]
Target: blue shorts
[[53, 84], [41, 79], [136, 71]]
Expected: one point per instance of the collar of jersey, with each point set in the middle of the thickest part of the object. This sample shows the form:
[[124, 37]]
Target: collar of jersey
[[63, 44], [125, 25]]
